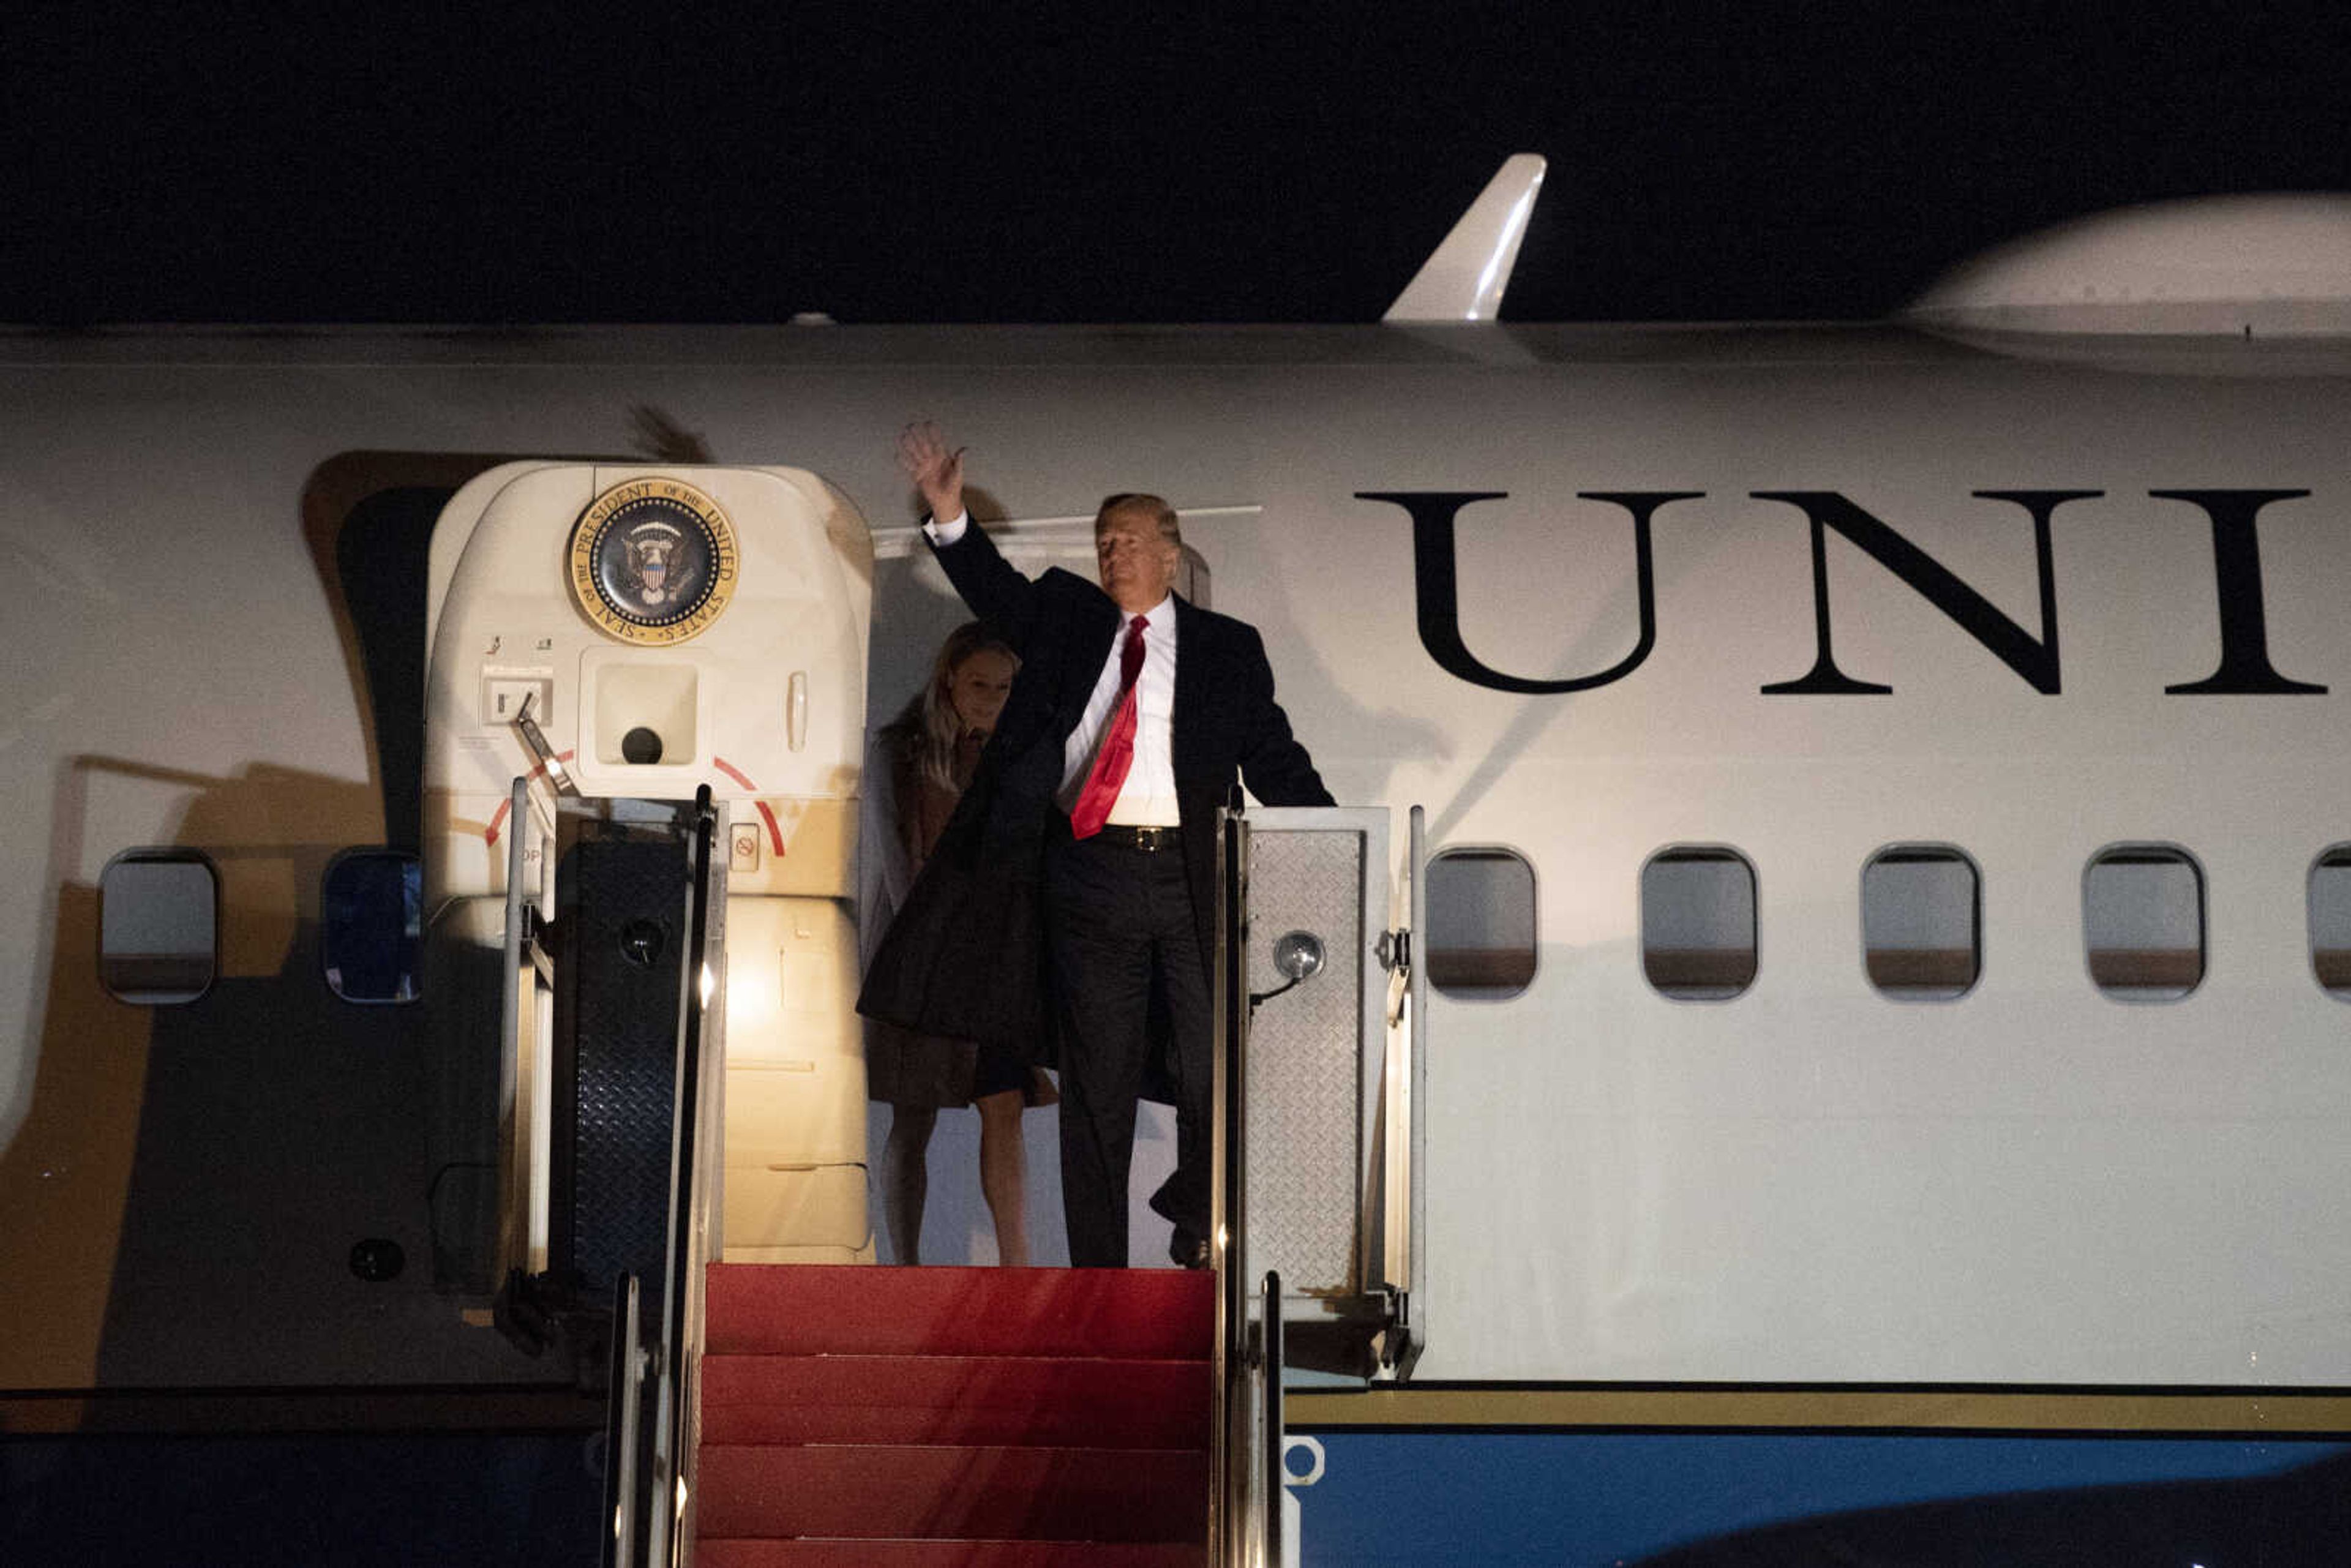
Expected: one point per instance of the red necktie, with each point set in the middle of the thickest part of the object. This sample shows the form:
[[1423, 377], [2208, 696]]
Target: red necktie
[[1117, 751]]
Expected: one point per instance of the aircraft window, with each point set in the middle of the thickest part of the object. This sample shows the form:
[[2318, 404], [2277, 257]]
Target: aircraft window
[[2142, 921], [158, 927], [1697, 922], [2330, 920], [370, 924], [1480, 941], [1921, 922]]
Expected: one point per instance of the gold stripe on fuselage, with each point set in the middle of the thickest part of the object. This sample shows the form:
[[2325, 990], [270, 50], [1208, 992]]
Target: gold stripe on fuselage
[[2250, 1412]]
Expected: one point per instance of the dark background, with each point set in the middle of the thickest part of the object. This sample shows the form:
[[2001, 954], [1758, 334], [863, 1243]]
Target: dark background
[[270, 163]]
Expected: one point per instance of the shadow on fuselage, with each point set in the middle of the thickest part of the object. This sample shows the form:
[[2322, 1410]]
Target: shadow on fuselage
[[182, 1201], [206, 1169]]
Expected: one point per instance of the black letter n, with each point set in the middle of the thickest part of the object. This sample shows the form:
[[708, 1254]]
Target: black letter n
[[2035, 660]]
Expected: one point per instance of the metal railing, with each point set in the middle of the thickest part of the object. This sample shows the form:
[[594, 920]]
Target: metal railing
[[1269, 1375], [1228, 1353], [623, 1425], [1245, 1486], [653, 1522]]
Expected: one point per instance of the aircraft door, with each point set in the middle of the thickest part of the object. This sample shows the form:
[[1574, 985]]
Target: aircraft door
[[604, 642]]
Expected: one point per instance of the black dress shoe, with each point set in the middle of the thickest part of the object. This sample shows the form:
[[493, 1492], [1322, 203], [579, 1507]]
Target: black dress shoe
[[1186, 1250]]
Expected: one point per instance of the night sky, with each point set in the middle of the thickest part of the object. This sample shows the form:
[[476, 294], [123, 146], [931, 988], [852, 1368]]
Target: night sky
[[883, 164]]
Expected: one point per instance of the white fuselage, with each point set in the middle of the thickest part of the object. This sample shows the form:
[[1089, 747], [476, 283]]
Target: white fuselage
[[1811, 1181]]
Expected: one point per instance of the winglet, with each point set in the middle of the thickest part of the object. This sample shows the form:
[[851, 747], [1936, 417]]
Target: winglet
[[1464, 278]]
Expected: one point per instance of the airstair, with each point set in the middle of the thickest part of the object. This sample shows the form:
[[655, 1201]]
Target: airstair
[[765, 1414], [934, 1416]]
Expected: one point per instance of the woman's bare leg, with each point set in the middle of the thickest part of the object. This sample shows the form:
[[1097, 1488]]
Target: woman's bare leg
[[906, 1178], [1004, 1175]]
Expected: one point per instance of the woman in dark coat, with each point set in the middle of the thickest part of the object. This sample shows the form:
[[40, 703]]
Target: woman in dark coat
[[930, 751]]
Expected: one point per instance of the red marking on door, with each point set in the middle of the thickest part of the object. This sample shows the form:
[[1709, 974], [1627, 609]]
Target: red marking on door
[[775, 832]]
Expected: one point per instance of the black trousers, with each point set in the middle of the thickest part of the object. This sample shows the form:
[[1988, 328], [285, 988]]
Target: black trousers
[[1120, 923]]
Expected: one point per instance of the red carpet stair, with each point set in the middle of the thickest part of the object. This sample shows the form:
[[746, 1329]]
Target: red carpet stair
[[920, 1416]]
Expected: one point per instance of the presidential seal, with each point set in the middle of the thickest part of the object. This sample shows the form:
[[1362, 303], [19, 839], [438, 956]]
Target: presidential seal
[[652, 561]]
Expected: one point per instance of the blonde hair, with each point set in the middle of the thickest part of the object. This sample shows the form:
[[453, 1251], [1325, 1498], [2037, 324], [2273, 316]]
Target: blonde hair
[[1159, 511], [928, 726]]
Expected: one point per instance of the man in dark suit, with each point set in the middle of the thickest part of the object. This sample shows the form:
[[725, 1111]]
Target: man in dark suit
[[1086, 847]]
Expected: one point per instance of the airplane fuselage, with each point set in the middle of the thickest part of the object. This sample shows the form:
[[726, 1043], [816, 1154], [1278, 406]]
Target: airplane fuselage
[[1586, 594]]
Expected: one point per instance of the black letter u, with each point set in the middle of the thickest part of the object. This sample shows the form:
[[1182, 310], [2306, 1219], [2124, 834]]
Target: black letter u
[[1436, 586]]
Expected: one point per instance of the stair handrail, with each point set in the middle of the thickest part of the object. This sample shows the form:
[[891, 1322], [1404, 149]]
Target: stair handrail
[[623, 1430], [654, 1527], [1229, 1351], [1269, 1375], [691, 1190], [1244, 1504]]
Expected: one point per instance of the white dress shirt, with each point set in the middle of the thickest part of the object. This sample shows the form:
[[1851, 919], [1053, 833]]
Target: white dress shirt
[[1148, 797]]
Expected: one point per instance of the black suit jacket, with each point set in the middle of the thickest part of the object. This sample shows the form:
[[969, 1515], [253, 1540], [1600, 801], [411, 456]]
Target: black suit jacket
[[966, 954]]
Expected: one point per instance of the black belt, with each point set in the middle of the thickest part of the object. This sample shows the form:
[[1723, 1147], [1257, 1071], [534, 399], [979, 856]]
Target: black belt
[[1134, 838]]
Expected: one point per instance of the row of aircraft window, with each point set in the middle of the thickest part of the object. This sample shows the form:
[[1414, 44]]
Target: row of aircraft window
[[2143, 932], [158, 926], [1921, 923]]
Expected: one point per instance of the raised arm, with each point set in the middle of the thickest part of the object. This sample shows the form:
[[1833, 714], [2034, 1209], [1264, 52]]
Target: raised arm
[[996, 593], [935, 469]]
